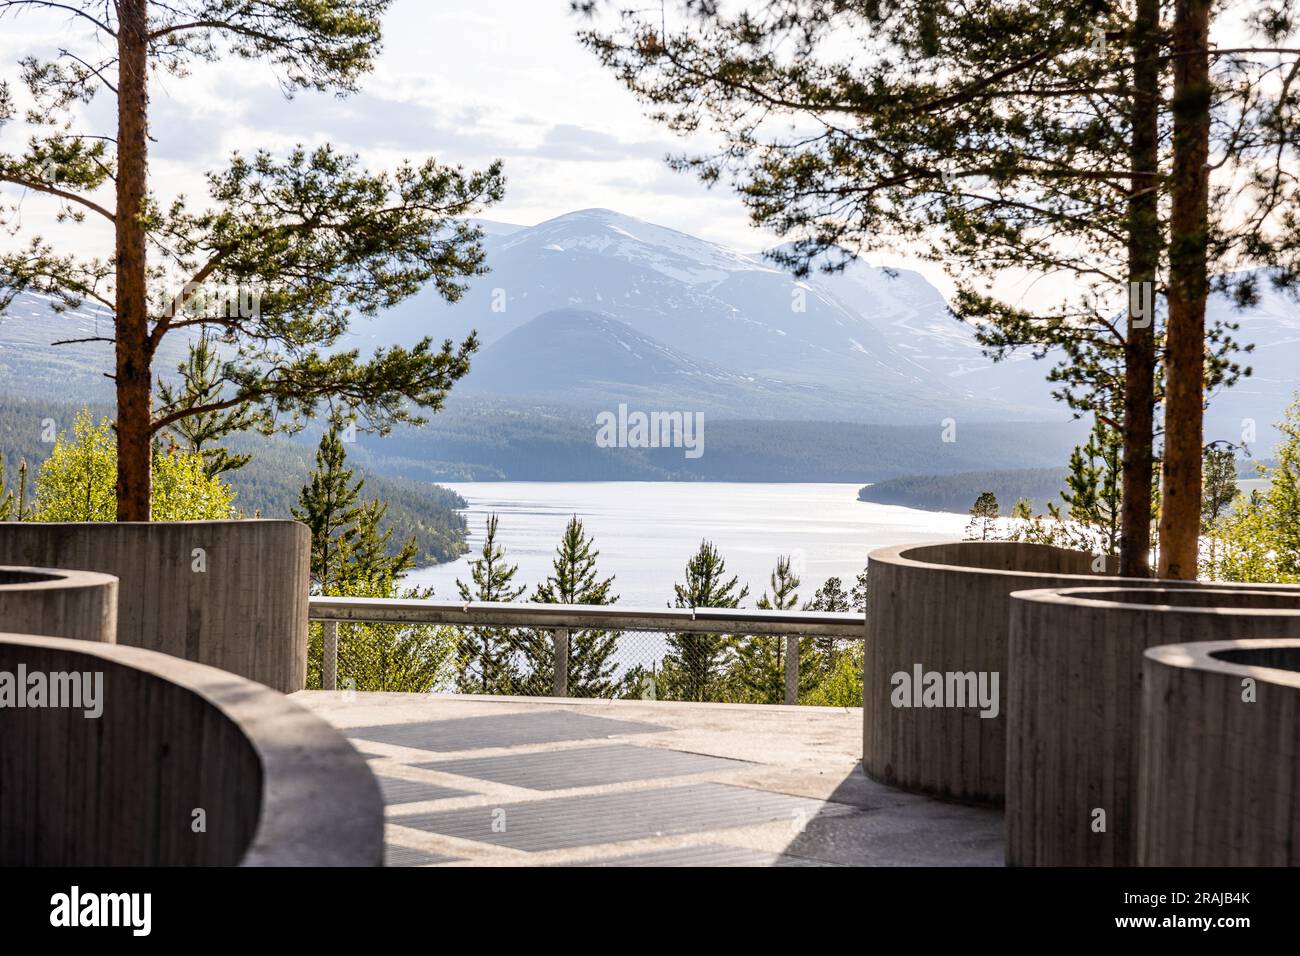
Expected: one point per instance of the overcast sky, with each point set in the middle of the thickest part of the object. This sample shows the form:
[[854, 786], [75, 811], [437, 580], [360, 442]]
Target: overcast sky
[[465, 83]]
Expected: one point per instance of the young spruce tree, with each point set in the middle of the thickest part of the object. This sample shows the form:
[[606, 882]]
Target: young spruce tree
[[574, 580], [490, 652]]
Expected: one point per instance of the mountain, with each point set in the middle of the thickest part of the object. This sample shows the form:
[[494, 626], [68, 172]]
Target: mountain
[[594, 308], [594, 361], [733, 311], [30, 362]]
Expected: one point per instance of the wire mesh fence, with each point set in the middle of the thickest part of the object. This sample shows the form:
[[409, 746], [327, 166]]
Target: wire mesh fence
[[587, 662]]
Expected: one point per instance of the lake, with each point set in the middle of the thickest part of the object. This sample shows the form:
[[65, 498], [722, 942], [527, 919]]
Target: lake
[[646, 530]]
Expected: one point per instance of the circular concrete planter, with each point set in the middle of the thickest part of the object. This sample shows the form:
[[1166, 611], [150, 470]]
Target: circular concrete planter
[[944, 607], [1074, 699], [184, 765], [1218, 784], [232, 594], [75, 604]]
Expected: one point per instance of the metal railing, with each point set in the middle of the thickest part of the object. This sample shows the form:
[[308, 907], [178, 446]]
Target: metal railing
[[614, 624]]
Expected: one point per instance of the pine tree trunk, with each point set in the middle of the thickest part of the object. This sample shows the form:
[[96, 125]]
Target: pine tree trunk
[[134, 356], [1180, 517], [1138, 469]]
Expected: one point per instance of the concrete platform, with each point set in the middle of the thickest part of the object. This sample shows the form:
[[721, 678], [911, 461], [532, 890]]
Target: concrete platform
[[527, 781]]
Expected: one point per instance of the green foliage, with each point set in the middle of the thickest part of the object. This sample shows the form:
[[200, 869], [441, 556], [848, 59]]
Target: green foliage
[[77, 481], [1088, 515], [841, 686], [574, 580], [694, 665], [352, 555], [311, 239], [491, 667], [1259, 540], [983, 516], [268, 486], [757, 672], [200, 386]]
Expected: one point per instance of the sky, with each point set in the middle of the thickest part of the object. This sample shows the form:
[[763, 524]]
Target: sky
[[463, 82]]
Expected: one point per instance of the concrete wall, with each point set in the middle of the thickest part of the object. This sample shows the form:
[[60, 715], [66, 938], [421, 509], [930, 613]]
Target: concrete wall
[[76, 604], [946, 606], [238, 603], [1074, 697], [275, 784], [1217, 782]]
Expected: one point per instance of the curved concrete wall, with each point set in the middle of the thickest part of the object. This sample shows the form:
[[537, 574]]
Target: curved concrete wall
[[1217, 782], [232, 594], [1074, 698], [76, 604], [945, 607], [185, 765]]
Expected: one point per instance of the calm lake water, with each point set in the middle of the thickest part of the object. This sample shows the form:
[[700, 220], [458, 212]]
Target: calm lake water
[[646, 530]]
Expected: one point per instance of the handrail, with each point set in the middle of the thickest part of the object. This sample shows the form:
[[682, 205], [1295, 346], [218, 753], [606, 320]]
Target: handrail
[[587, 616], [560, 619]]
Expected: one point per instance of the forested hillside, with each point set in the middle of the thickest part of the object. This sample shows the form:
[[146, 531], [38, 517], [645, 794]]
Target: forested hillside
[[958, 492], [268, 485]]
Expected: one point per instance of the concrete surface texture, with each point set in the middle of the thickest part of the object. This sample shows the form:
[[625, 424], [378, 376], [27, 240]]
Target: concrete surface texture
[[76, 604], [1217, 784], [1074, 700], [231, 594], [945, 607], [145, 759], [538, 782]]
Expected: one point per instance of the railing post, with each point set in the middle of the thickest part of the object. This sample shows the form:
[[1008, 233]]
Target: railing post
[[560, 636], [329, 670], [792, 669]]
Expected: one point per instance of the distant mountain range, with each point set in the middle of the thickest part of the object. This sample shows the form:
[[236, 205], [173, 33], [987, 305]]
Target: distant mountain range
[[594, 308]]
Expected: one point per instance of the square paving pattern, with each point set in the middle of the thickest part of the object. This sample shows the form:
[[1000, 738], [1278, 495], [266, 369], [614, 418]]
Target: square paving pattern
[[641, 783], [395, 855], [710, 854], [565, 822], [585, 766], [397, 790], [500, 730]]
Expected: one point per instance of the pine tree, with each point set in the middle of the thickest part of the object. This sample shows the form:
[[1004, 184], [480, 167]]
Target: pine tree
[[1015, 136], [202, 383], [983, 516], [1220, 491], [574, 580], [327, 505], [858, 596], [695, 663], [758, 672], [353, 555], [832, 597], [321, 239], [489, 652]]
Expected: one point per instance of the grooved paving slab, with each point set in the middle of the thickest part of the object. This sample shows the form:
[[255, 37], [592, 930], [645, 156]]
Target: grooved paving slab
[[585, 767], [397, 790], [710, 854], [565, 822], [499, 730], [395, 855]]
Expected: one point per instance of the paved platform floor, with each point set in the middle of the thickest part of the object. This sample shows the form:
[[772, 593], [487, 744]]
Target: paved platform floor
[[474, 781]]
